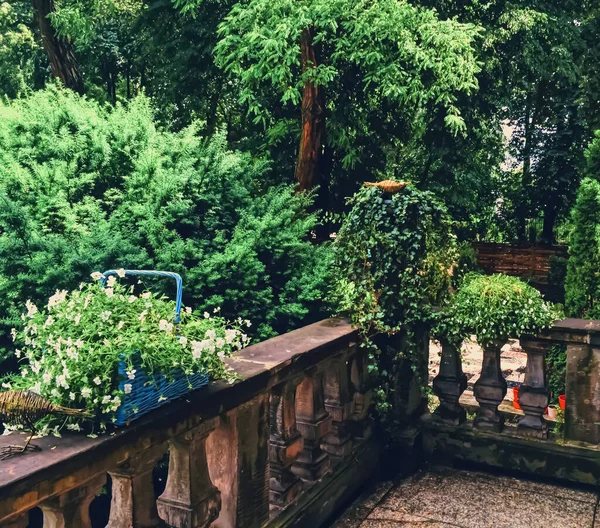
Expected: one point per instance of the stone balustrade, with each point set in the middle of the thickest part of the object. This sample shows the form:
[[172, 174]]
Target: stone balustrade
[[239, 455]]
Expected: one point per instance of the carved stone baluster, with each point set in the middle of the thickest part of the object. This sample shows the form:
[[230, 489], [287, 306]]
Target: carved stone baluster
[[72, 508], [362, 394], [133, 503], [533, 394], [314, 423], [449, 384], [338, 403], [189, 499], [490, 390], [285, 444]]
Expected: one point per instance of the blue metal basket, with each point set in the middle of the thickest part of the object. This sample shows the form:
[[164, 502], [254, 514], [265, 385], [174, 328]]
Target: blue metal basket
[[150, 392]]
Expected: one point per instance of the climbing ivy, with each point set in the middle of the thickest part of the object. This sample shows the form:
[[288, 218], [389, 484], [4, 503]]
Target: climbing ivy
[[393, 258]]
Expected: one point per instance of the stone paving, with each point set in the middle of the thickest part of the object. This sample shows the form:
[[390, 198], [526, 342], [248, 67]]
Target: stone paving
[[441, 497]]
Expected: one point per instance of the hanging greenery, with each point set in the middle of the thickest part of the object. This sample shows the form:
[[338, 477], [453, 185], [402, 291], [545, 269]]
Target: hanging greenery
[[394, 259]]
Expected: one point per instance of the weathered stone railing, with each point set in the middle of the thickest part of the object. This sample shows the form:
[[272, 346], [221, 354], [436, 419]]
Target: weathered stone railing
[[452, 432], [291, 434]]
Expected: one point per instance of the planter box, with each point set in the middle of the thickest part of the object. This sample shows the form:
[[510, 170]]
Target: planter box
[[150, 392]]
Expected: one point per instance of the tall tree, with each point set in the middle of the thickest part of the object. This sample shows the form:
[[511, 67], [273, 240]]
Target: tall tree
[[61, 54], [343, 64]]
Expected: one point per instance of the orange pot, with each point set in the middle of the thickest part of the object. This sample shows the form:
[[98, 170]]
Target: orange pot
[[562, 401], [516, 398]]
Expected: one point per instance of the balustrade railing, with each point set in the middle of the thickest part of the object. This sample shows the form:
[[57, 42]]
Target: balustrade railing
[[238, 455], [582, 413]]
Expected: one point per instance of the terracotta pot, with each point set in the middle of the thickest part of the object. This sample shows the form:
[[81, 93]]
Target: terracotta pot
[[562, 401], [552, 412], [516, 398]]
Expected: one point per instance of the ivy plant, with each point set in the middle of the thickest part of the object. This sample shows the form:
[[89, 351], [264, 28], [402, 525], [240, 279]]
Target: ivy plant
[[393, 255]]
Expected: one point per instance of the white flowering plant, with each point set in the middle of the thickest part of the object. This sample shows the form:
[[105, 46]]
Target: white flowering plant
[[71, 348], [494, 307]]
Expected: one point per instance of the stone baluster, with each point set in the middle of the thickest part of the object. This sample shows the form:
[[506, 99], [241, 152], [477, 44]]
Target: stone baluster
[[338, 403], [449, 384], [190, 499], [313, 422], [490, 390], [533, 394], [362, 394], [133, 502], [72, 508], [285, 444]]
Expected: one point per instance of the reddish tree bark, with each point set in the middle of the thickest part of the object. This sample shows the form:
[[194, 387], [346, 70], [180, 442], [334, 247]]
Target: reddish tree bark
[[60, 52], [313, 120]]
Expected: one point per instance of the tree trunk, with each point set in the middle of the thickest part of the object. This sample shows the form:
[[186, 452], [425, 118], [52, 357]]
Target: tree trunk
[[313, 120], [60, 52], [550, 214]]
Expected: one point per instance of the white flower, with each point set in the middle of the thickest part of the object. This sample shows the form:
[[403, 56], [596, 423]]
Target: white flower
[[183, 340], [79, 343], [120, 325], [142, 316], [163, 324], [86, 392], [61, 381], [71, 396], [105, 316], [13, 333], [121, 272], [132, 299], [97, 380], [49, 321], [57, 298], [127, 388], [211, 334], [109, 292], [24, 372], [131, 373], [6, 386], [111, 281], [35, 367], [97, 275], [77, 319], [146, 295], [87, 301], [81, 285], [73, 427], [188, 310], [248, 323], [37, 388], [206, 315], [220, 342], [31, 308], [46, 377], [217, 309], [106, 400], [55, 393], [221, 355], [18, 353], [230, 335]]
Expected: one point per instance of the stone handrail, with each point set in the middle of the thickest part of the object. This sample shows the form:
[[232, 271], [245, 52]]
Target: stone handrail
[[238, 454], [582, 413]]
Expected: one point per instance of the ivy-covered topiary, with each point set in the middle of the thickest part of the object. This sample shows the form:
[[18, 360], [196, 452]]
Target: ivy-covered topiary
[[393, 259], [495, 307]]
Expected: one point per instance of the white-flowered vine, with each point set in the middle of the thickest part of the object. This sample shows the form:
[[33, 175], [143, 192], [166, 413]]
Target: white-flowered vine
[[70, 349]]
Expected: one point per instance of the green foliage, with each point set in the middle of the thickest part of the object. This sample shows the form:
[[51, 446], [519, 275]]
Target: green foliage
[[496, 307], [85, 187], [556, 371], [582, 285], [392, 258], [557, 273], [71, 348]]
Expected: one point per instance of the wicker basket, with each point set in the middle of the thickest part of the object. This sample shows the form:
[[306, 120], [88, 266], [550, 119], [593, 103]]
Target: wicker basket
[[150, 392], [389, 186]]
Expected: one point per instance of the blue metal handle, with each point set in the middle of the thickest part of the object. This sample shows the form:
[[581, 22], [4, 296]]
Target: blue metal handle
[[176, 276]]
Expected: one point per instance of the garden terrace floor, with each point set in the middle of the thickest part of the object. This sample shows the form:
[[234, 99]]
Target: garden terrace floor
[[441, 497]]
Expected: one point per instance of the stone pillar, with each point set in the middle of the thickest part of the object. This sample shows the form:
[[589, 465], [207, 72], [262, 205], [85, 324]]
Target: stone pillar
[[490, 390], [533, 394], [238, 454], [582, 413], [133, 503], [338, 403], [190, 499], [314, 423], [285, 444], [362, 394], [449, 384], [72, 508]]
